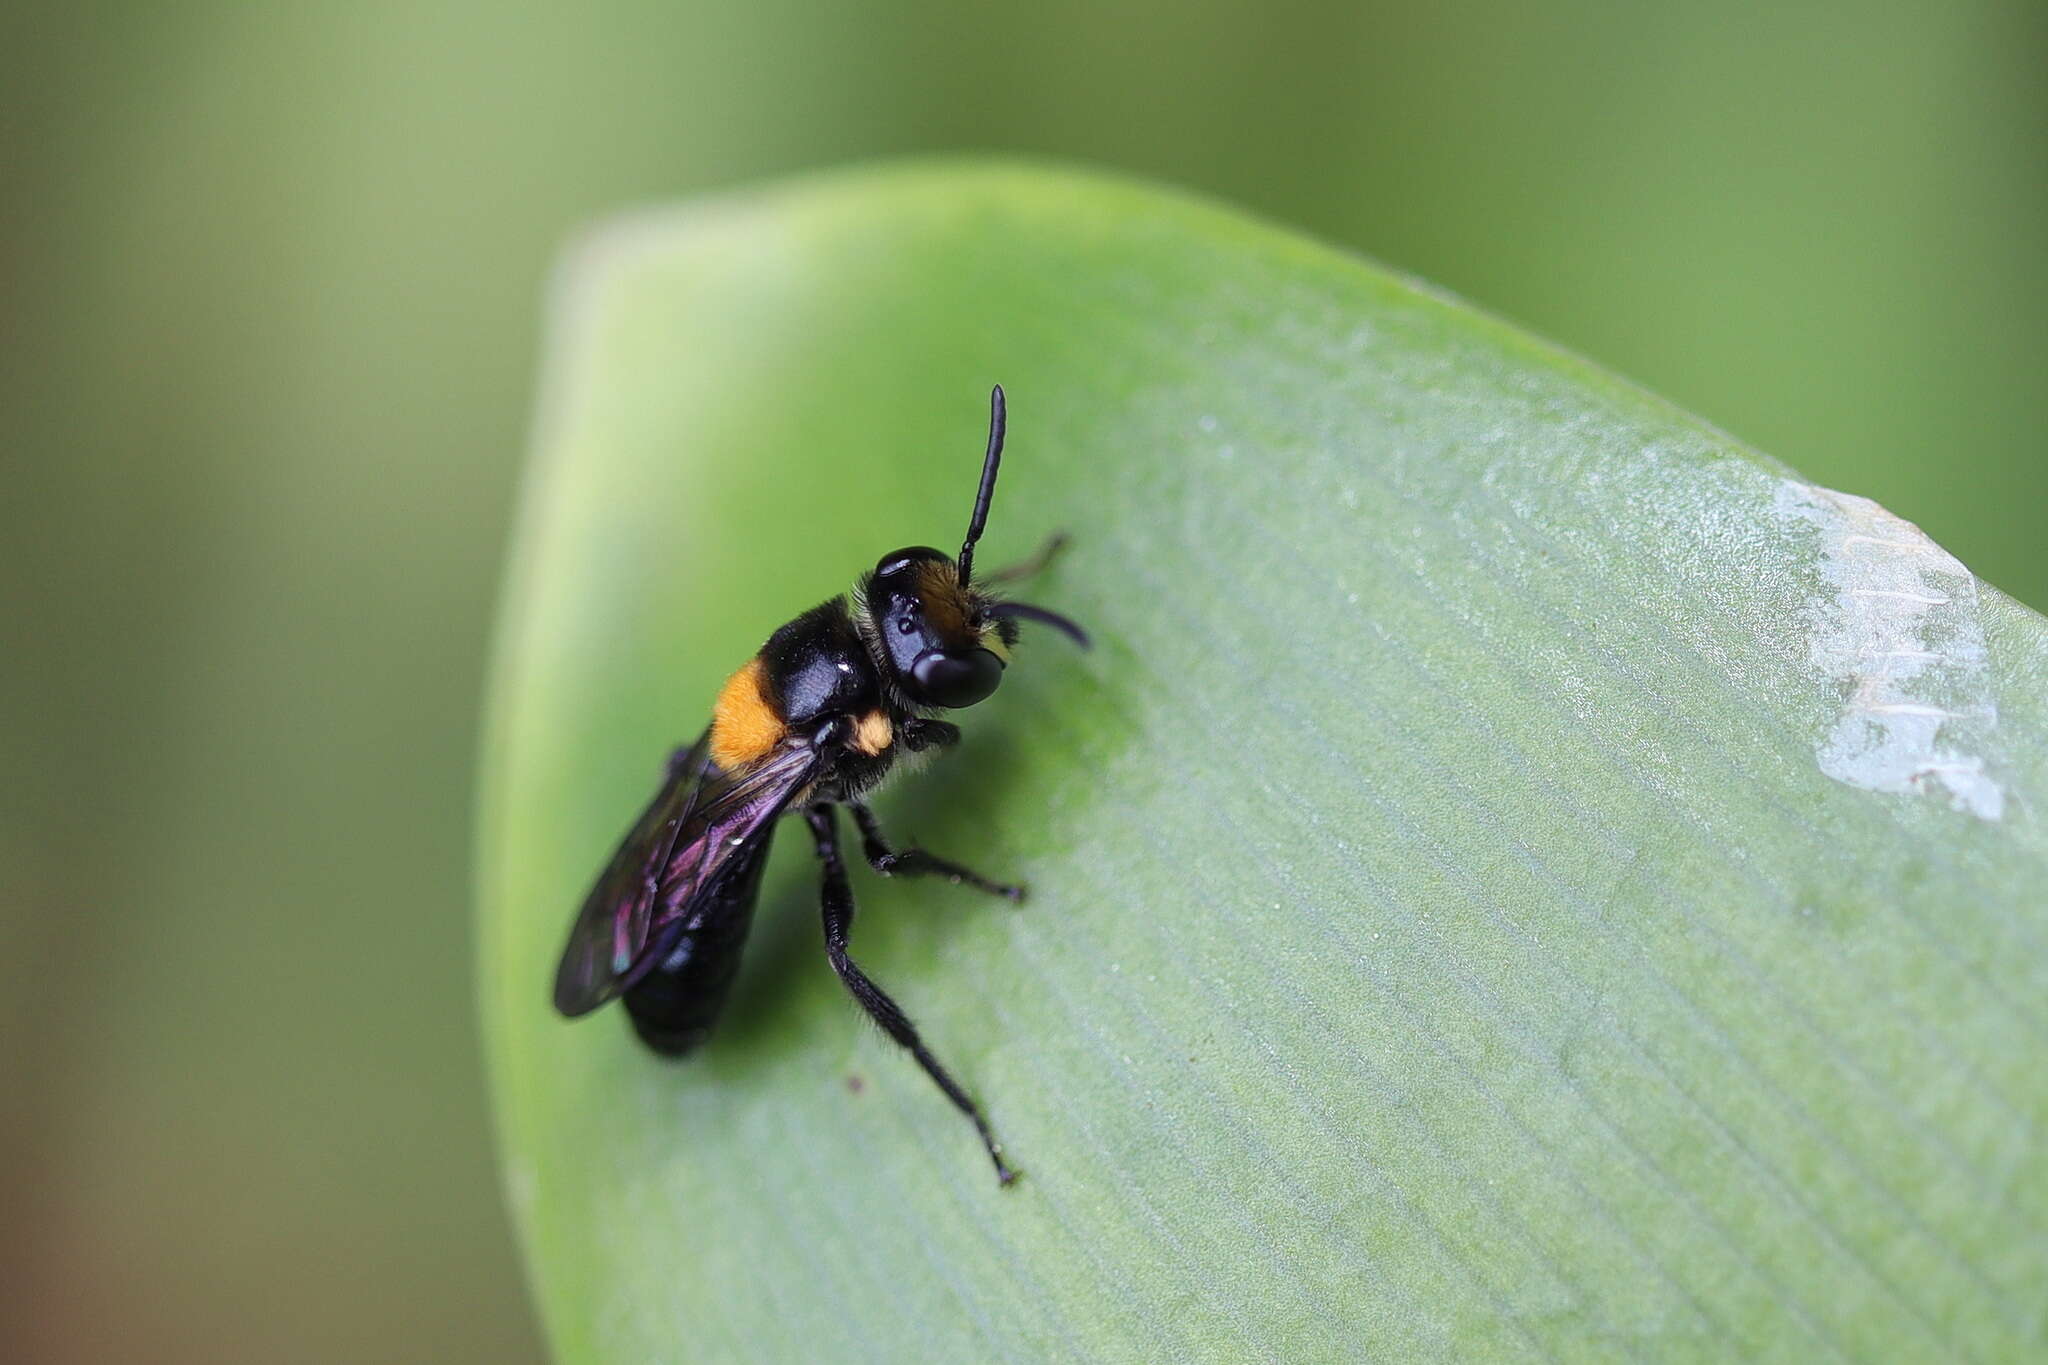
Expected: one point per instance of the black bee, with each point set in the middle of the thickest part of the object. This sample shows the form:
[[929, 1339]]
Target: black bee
[[812, 722]]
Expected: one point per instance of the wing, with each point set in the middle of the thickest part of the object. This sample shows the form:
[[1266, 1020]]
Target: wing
[[675, 852]]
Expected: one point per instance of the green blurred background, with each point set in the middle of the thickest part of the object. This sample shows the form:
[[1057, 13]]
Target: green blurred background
[[269, 287]]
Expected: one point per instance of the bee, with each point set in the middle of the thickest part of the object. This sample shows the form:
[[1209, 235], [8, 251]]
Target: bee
[[812, 722]]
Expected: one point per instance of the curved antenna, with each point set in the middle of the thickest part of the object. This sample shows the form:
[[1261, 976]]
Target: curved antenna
[[998, 419], [1024, 611]]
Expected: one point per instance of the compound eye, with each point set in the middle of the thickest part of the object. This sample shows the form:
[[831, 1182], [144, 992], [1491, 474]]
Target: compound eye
[[896, 561], [956, 680]]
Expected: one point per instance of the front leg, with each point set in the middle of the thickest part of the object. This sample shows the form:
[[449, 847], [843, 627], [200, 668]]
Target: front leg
[[1041, 557], [920, 734], [915, 862]]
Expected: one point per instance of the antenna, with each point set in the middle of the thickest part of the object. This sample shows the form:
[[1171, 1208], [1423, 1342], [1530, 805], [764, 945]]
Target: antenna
[[1026, 612], [998, 418]]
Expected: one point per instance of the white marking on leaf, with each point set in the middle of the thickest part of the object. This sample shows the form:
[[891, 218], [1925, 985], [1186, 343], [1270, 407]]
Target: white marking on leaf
[[1896, 629]]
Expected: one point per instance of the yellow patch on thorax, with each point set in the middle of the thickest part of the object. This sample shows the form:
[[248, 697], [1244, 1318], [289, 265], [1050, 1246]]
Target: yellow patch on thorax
[[744, 723], [874, 733]]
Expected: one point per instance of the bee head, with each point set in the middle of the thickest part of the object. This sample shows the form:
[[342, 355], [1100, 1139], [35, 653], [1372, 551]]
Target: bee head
[[943, 643], [941, 646]]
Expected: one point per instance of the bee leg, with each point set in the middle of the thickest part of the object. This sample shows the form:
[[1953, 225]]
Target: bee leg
[[915, 862], [837, 904], [920, 734], [1024, 568]]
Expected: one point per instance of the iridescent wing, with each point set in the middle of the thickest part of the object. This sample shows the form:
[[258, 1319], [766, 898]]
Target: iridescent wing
[[675, 853]]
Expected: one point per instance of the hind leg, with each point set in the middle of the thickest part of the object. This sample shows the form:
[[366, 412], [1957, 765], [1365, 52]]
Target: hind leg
[[837, 905]]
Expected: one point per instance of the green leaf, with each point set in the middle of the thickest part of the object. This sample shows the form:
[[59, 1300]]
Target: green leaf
[[1520, 875]]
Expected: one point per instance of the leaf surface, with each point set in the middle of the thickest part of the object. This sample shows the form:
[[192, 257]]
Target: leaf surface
[[1520, 876]]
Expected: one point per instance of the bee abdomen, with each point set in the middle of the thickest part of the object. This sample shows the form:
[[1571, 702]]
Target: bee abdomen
[[675, 1006]]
